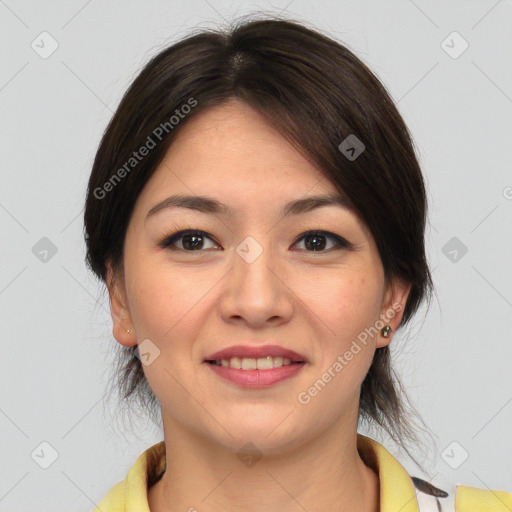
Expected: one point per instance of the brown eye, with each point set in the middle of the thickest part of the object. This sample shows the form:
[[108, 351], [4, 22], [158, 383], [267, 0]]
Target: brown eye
[[316, 241], [191, 241]]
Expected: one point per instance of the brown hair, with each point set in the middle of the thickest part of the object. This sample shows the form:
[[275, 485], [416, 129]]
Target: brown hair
[[316, 92]]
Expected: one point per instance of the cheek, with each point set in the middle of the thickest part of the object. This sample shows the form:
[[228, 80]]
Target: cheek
[[346, 300], [153, 308], [162, 301], [360, 300], [162, 309], [347, 311], [345, 304]]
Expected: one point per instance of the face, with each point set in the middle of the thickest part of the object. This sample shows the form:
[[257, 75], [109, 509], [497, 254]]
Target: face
[[250, 276]]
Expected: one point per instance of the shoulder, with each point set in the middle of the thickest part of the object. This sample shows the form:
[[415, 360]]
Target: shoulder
[[130, 494], [114, 500], [484, 500], [460, 498], [401, 491]]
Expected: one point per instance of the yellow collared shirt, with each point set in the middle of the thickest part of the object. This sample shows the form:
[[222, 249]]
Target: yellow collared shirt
[[397, 490]]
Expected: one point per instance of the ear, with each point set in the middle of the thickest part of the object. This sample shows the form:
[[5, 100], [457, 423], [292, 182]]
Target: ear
[[121, 318], [393, 305]]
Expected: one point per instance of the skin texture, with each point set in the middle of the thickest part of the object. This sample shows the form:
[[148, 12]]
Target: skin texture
[[191, 304]]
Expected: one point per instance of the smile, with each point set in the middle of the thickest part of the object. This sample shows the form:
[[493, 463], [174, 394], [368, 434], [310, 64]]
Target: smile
[[249, 374], [251, 363]]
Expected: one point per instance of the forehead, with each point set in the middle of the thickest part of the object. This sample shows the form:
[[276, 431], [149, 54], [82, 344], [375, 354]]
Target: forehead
[[232, 151]]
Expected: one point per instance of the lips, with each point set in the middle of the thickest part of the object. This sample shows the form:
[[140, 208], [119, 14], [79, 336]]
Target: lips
[[242, 351]]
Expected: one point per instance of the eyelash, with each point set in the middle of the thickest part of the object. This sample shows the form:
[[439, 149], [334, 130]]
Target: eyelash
[[167, 242]]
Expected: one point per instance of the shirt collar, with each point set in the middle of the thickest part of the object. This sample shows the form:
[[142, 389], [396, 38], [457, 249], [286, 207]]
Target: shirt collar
[[396, 487]]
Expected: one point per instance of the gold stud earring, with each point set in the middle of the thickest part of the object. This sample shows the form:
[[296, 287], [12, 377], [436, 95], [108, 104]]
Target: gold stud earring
[[385, 331], [128, 331]]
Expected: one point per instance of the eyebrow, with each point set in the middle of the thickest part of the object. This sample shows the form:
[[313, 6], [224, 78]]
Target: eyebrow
[[211, 205]]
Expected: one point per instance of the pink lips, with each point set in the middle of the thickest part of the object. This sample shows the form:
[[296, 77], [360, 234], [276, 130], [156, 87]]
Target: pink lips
[[256, 378], [255, 352]]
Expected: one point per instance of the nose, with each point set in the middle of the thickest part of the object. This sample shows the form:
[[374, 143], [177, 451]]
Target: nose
[[256, 293]]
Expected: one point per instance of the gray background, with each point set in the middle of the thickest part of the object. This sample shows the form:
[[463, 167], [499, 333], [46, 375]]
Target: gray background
[[55, 324]]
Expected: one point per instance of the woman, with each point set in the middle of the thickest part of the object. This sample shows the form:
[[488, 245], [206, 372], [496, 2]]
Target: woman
[[257, 213]]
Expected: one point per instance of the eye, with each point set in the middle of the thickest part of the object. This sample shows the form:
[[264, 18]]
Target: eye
[[316, 241], [192, 240]]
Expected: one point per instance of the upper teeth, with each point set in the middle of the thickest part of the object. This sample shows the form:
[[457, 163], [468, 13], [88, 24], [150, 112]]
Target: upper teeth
[[250, 363]]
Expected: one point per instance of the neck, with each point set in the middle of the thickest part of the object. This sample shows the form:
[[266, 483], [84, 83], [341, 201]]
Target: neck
[[207, 477]]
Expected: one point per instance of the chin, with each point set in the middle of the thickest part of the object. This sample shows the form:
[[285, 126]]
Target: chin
[[267, 434]]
